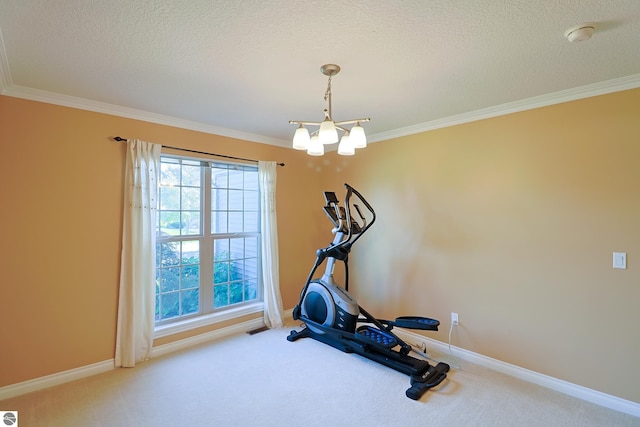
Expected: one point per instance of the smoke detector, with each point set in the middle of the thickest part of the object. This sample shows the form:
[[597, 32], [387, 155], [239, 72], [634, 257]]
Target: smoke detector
[[580, 32]]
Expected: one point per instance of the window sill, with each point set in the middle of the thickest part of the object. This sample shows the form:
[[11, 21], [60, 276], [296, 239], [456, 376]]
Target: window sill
[[207, 319]]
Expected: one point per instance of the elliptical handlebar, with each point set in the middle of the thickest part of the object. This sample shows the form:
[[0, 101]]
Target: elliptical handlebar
[[347, 224], [347, 206]]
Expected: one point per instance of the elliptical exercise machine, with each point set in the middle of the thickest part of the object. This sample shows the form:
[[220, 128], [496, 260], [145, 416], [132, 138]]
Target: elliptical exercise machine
[[331, 315]]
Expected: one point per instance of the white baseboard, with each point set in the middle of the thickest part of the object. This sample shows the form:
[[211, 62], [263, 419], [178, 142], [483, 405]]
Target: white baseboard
[[580, 392], [58, 378], [55, 379]]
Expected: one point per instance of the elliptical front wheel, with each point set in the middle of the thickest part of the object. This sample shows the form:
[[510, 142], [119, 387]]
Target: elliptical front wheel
[[327, 304], [318, 305]]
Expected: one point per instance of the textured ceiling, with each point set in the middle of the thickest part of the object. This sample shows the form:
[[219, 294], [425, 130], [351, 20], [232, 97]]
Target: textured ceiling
[[245, 68]]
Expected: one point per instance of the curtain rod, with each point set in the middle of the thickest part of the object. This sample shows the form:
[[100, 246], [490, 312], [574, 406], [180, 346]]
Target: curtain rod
[[119, 139]]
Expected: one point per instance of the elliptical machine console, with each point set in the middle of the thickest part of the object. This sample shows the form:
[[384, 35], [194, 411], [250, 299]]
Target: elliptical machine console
[[332, 316]]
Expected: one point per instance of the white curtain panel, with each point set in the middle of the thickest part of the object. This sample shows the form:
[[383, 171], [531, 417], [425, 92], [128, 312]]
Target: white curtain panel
[[273, 316], [136, 306]]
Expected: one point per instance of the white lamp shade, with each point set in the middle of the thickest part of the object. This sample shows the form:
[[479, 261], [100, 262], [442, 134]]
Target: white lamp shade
[[328, 133], [316, 148], [357, 137], [301, 139], [345, 148]]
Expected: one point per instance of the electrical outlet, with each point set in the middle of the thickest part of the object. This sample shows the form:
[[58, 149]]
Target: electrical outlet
[[454, 319]]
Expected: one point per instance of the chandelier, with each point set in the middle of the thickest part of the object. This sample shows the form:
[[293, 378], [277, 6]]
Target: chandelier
[[327, 133]]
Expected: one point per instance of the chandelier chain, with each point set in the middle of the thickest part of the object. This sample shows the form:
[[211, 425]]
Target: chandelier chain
[[328, 91]]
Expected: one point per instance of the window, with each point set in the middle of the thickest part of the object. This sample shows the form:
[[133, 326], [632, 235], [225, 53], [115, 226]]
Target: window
[[208, 231]]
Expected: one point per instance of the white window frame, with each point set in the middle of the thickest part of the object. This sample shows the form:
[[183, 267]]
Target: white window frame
[[207, 314]]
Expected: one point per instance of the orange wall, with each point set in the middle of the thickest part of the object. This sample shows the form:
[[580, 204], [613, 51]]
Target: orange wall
[[61, 183], [511, 222]]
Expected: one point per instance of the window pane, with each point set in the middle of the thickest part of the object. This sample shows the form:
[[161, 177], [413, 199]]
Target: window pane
[[236, 270], [169, 173], [251, 201], [236, 293], [221, 249], [236, 179], [235, 200], [191, 198], [220, 272], [220, 296], [190, 301], [250, 290], [191, 175], [169, 198], [169, 254], [169, 305], [235, 222], [190, 252], [190, 223], [251, 179], [251, 223], [250, 268], [169, 279], [219, 178], [219, 222], [251, 247], [236, 248], [169, 223], [219, 199], [190, 277]]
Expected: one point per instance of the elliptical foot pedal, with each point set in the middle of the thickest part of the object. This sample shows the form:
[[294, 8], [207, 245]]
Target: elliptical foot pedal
[[377, 337], [415, 322]]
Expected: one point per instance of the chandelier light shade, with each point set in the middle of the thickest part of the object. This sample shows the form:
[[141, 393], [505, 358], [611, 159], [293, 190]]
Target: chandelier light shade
[[357, 136], [346, 148], [327, 132], [301, 139], [316, 148]]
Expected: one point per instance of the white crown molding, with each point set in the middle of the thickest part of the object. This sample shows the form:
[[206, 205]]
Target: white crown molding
[[5, 75], [587, 91], [565, 387], [31, 94]]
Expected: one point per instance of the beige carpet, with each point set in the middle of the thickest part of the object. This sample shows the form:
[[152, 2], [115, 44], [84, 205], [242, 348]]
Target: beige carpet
[[264, 380]]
